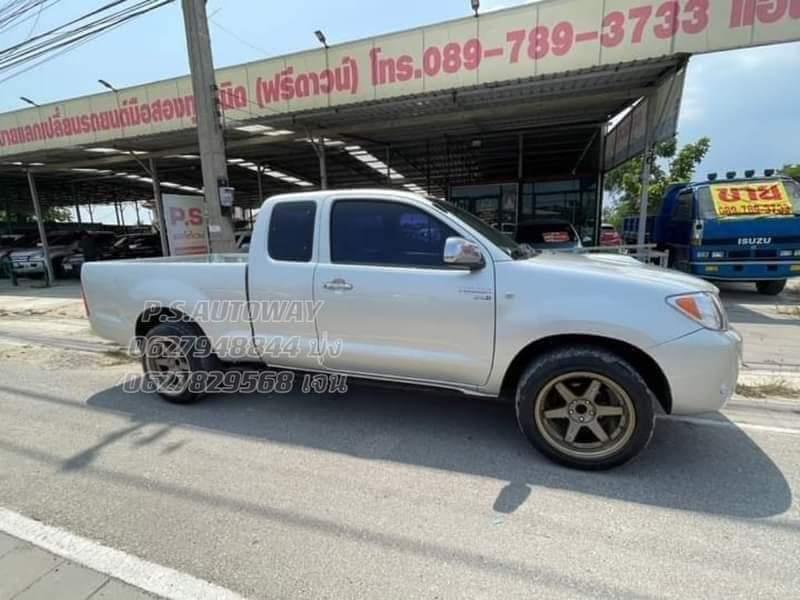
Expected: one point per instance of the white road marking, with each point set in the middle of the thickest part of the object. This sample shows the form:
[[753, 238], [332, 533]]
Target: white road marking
[[732, 424], [140, 573]]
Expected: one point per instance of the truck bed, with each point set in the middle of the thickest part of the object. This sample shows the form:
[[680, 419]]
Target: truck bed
[[118, 292]]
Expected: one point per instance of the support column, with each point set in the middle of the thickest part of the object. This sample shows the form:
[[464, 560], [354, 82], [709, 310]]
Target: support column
[[209, 129], [158, 207], [323, 163], [600, 183], [138, 216], [647, 158], [77, 205], [428, 167], [91, 214], [260, 187], [48, 266]]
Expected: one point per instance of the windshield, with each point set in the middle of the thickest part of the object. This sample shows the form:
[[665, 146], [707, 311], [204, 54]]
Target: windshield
[[758, 198], [499, 239]]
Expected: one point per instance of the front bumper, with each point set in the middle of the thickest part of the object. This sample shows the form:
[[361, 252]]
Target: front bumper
[[28, 266], [702, 369], [746, 271]]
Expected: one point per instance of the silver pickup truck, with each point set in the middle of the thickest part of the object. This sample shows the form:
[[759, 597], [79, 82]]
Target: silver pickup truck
[[388, 285]]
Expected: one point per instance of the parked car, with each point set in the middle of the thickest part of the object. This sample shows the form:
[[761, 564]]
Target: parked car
[[30, 260], [135, 245], [10, 242], [609, 235], [548, 234], [584, 348]]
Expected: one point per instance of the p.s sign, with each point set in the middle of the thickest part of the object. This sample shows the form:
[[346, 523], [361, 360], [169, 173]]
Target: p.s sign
[[187, 231]]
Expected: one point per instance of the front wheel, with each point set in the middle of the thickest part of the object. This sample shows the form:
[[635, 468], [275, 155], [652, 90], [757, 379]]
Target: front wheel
[[771, 288], [585, 408]]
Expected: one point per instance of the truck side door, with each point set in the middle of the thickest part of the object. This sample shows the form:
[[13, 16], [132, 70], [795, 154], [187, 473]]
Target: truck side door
[[280, 282], [680, 231], [398, 310]]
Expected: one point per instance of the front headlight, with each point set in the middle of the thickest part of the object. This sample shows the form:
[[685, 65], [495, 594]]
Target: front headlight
[[703, 307], [785, 253]]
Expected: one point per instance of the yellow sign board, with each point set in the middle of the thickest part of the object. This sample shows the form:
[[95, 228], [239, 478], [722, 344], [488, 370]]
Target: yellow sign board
[[756, 198]]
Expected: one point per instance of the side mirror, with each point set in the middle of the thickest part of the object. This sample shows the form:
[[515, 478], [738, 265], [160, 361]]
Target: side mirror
[[463, 253]]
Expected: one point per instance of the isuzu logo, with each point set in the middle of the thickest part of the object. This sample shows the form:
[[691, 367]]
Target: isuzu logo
[[755, 241]]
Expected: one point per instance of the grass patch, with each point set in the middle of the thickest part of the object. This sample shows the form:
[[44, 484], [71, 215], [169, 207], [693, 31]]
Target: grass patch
[[117, 357], [773, 389]]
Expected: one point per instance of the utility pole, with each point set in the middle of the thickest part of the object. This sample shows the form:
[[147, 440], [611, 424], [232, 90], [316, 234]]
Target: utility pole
[[209, 128]]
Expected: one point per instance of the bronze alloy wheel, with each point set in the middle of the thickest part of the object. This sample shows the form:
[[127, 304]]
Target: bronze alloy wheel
[[585, 415]]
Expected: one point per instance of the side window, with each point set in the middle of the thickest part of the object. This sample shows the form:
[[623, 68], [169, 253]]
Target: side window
[[291, 231], [386, 233], [683, 208]]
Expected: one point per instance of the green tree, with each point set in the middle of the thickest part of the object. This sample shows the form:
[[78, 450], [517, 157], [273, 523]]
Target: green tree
[[792, 171], [57, 215], [670, 165]]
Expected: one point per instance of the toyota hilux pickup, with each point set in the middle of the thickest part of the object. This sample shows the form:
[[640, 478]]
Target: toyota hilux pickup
[[417, 291]]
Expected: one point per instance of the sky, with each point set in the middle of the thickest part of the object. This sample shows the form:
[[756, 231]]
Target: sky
[[746, 101]]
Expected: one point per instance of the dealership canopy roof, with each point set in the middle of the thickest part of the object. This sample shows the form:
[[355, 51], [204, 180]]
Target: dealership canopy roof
[[445, 104]]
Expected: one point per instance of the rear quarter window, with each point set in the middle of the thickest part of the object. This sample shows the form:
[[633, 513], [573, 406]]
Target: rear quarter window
[[291, 231]]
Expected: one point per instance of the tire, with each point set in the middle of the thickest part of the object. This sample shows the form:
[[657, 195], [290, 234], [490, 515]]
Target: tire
[[562, 394], [185, 346], [58, 268], [771, 287]]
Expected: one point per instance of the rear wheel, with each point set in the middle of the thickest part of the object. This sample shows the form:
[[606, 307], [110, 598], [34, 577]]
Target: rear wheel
[[772, 287], [176, 359], [585, 408]]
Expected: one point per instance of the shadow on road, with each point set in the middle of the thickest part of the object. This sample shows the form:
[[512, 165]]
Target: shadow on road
[[715, 470]]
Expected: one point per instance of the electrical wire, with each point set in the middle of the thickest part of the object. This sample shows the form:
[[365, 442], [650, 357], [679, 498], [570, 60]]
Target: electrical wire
[[61, 39]]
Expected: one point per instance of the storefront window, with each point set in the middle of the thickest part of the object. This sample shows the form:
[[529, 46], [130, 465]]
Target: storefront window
[[495, 204], [502, 207]]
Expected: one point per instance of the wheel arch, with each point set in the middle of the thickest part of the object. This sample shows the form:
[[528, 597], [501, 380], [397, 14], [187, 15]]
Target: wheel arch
[[645, 365], [151, 317]]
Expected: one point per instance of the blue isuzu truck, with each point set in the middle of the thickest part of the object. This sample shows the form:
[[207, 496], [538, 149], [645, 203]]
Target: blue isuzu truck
[[735, 229]]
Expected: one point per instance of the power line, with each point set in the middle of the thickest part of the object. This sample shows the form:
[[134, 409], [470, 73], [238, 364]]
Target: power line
[[64, 39], [236, 36]]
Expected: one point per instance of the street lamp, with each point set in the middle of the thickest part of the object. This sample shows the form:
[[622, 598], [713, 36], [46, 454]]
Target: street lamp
[[476, 5], [28, 101], [321, 38], [105, 84]]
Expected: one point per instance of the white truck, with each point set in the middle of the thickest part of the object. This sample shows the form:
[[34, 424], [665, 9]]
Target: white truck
[[418, 291]]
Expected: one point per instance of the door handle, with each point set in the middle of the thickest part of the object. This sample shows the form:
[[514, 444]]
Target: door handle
[[338, 284]]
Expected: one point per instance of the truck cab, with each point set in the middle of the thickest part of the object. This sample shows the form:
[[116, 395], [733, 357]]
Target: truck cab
[[744, 229]]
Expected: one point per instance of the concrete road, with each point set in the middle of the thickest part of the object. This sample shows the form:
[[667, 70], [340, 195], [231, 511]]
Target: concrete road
[[397, 493], [770, 325]]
